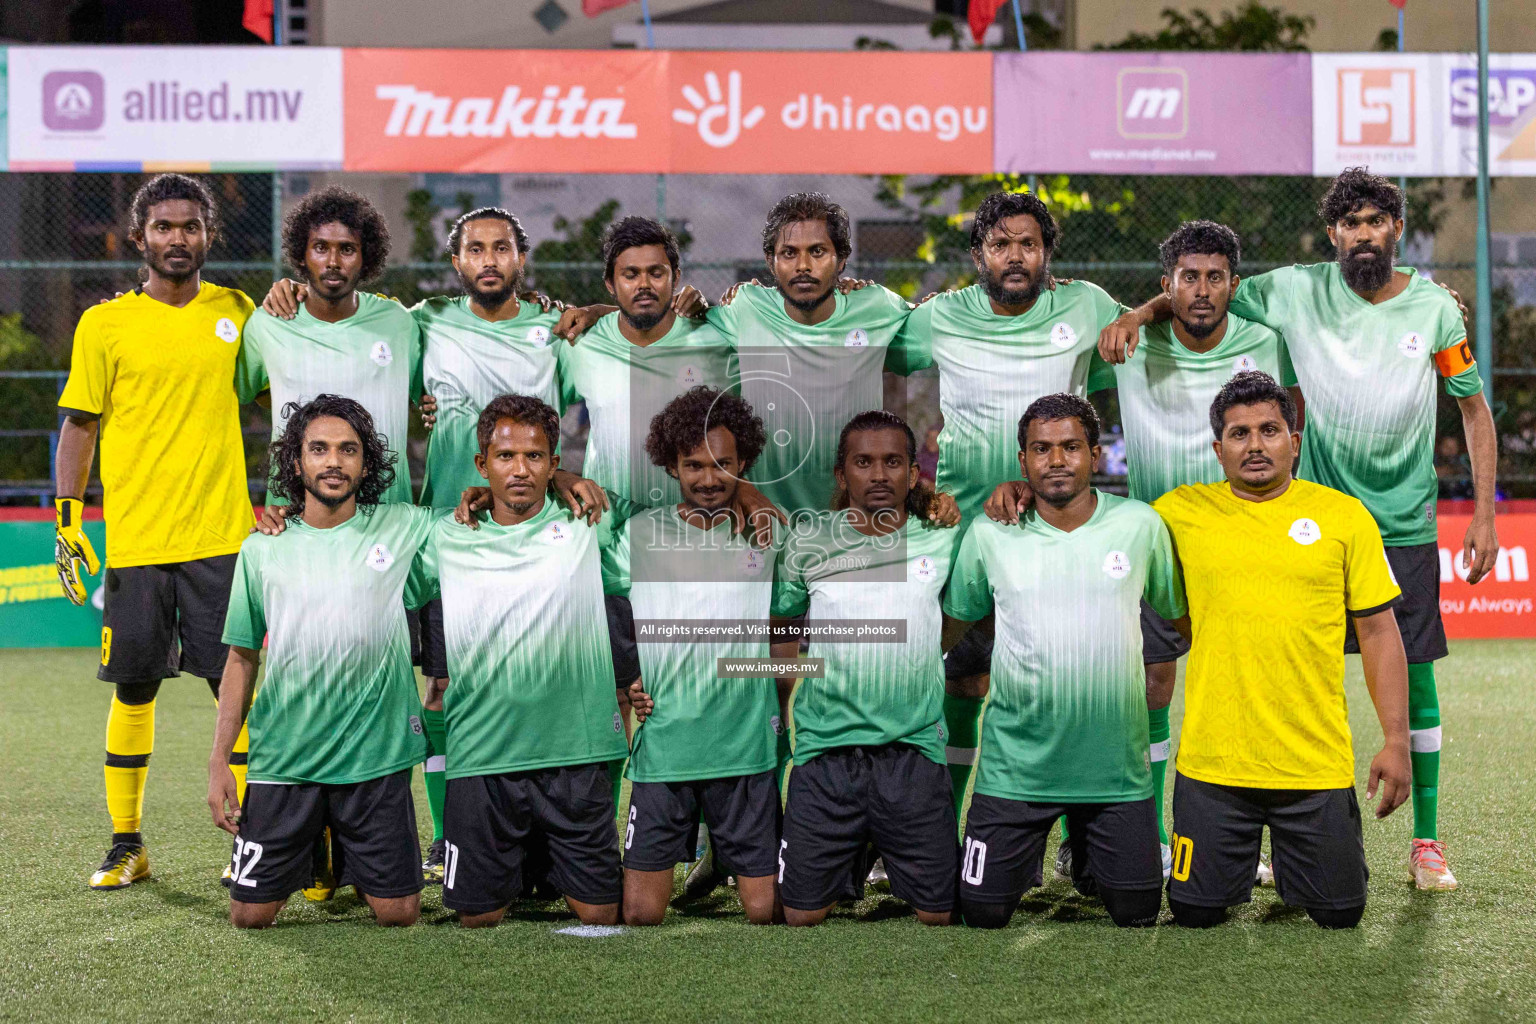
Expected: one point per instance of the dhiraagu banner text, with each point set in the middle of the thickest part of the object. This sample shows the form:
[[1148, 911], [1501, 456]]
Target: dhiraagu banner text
[[33, 609]]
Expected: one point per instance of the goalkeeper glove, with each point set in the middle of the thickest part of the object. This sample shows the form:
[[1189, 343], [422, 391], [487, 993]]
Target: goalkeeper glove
[[72, 548]]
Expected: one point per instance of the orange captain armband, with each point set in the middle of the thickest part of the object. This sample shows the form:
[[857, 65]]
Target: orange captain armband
[[1455, 360]]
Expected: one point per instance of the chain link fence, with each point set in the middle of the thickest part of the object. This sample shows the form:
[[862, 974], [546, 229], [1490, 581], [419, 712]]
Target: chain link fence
[[64, 247]]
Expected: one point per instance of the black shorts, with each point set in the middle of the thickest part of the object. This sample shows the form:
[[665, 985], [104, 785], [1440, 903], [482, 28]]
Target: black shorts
[[972, 656], [1160, 642], [1417, 570], [890, 796], [621, 640], [373, 838], [1315, 845], [493, 823], [742, 812], [434, 649], [1114, 846], [150, 607]]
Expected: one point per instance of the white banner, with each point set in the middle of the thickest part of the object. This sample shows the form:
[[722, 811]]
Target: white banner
[[164, 107], [1415, 114]]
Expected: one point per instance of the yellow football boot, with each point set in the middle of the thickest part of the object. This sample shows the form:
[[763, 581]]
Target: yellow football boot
[[126, 863]]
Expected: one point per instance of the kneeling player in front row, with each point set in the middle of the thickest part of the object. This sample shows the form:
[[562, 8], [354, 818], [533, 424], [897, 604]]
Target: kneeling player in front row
[[532, 720], [1065, 732], [336, 727], [1272, 565], [709, 747], [869, 733]]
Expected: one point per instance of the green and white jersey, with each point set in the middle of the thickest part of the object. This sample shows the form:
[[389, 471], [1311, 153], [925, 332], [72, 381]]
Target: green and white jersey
[[991, 367], [372, 357], [703, 727], [1067, 714], [872, 693], [1166, 393], [466, 362], [527, 640], [339, 702], [807, 382], [1368, 374], [625, 385]]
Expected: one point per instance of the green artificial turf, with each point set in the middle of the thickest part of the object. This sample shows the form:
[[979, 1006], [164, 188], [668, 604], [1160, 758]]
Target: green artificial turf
[[162, 950]]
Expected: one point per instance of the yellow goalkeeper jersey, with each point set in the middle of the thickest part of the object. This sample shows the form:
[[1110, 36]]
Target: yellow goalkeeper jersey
[[1269, 584], [162, 381]]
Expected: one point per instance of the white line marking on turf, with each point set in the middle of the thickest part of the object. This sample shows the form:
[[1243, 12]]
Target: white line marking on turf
[[591, 931]]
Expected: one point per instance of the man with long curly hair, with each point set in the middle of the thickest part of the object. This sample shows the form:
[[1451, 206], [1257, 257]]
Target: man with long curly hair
[[343, 341], [336, 727]]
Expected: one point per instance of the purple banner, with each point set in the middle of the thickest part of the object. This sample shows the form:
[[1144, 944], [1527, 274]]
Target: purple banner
[[1153, 113]]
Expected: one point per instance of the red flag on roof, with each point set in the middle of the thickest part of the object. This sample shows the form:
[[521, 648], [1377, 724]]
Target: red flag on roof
[[258, 19], [592, 8], [1399, 4], [981, 15]]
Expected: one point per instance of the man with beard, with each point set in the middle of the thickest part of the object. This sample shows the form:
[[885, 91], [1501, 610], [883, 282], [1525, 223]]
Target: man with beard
[[334, 730], [152, 372], [1165, 392], [869, 730], [342, 341], [1066, 727], [999, 345], [1367, 342]]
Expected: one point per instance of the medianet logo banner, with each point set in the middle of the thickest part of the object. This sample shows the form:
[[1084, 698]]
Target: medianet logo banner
[[164, 107]]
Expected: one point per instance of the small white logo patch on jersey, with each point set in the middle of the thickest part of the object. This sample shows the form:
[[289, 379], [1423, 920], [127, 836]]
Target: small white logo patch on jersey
[[1117, 565], [557, 533], [856, 338], [751, 561], [538, 336], [1063, 336], [226, 331], [416, 725], [380, 558], [1244, 364], [1412, 345], [689, 376], [618, 722], [381, 354], [778, 725], [1304, 532], [923, 569]]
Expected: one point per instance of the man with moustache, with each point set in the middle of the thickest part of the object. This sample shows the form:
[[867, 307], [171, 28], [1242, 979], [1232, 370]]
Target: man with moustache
[[998, 344], [1368, 341], [152, 374], [335, 729]]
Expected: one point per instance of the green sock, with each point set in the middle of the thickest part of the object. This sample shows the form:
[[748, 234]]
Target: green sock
[[962, 716], [785, 754], [616, 770], [1157, 739], [1064, 837], [433, 769], [1424, 748]]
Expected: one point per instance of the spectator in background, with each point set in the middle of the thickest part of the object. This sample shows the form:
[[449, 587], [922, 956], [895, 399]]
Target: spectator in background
[[928, 454], [1521, 440], [1113, 461], [1453, 469]]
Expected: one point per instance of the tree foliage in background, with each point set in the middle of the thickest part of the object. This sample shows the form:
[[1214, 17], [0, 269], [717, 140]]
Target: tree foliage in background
[[1252, 27]]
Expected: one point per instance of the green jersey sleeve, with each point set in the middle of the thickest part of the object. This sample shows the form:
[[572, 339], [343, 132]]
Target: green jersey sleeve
[[723, 318], [895, 353], [912, 347], [417, 352], [969, 594], [567, 371], [1101, 375], [1287, 371], [1265, 297], [1453, 355], [615, 562], [250, 365], [245, 624], [1164, 590], [790, 596], [422, 584]]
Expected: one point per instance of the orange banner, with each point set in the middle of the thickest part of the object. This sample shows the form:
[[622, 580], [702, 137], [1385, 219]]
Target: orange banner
[[505, 110], [831, 113], [1503, 604]]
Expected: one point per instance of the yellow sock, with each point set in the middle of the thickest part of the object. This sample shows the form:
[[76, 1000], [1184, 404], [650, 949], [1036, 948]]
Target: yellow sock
[[237, 760], [130, 740]]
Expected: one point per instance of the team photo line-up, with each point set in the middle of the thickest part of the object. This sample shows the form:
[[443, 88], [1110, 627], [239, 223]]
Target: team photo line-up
[[750, 556]]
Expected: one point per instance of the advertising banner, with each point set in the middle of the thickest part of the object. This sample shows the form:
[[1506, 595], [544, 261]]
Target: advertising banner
[[1416, 113], [1153, 113], [821, 113], [563, 111], [33, 609], [1503, 604], [147, 108]]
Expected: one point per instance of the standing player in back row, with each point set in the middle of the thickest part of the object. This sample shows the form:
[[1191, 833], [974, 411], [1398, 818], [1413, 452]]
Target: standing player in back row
[[999, 344], [1367, 342], [152, 373]]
